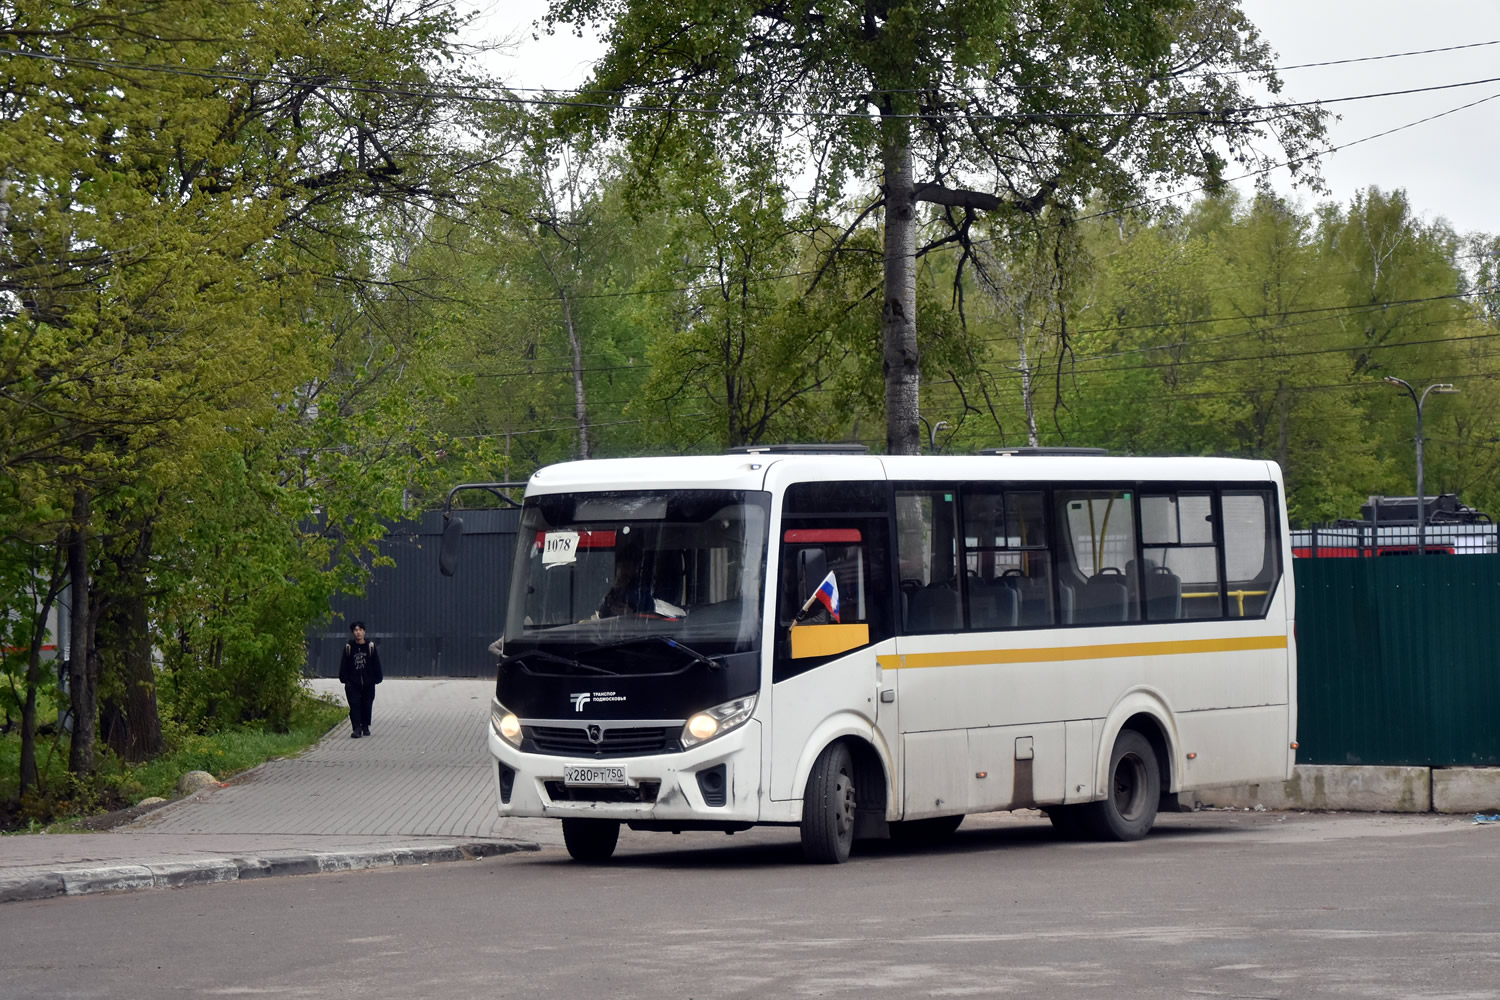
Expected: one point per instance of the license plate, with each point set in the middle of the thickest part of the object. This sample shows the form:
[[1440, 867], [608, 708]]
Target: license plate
[[595, 775]]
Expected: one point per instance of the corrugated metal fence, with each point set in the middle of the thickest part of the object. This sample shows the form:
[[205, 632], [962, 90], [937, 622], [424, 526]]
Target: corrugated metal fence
[[426, 624], [1397, 660]]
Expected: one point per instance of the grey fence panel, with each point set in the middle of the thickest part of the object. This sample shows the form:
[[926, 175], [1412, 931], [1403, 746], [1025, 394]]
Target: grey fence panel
[[427, 624]]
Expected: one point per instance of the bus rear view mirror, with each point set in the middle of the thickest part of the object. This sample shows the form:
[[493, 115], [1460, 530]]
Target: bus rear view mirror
[[453, 533]]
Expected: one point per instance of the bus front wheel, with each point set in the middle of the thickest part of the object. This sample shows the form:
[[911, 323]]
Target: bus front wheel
[[1128, 808], [828, 807], [591, 840]]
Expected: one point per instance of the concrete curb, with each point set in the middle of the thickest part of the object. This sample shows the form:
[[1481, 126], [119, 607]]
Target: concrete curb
[[1354, 788], [80, 881]]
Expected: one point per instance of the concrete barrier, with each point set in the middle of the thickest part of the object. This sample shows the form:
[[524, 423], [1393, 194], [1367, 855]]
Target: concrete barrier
[[1466, 789], [1328, 788]]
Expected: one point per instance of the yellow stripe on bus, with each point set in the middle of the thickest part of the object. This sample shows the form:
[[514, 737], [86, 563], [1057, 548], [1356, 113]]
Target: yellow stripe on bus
[[1104, 651]]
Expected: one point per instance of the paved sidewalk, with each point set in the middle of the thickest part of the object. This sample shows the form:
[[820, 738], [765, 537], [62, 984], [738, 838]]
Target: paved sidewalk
[[417, 791]]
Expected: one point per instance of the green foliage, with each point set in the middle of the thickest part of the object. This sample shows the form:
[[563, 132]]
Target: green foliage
[[764, 340], [1253, 329], [203, 324], [227, 752], [116, 784]]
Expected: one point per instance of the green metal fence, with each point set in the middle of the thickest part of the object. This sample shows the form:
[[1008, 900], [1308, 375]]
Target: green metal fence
[[1398, 660]]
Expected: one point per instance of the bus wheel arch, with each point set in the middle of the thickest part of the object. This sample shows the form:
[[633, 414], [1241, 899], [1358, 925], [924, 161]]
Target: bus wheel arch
[[844, 797], [1144, 712], [1135, 777]]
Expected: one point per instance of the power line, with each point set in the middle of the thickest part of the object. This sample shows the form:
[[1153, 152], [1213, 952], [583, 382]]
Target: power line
[[1357, 309], [1391, 55], [625, 92], [457, 93], [1105, 214], [1076, 372]]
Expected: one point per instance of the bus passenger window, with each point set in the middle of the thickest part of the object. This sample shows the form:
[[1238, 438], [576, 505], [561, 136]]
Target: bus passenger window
[[926, 545], [1180, 576], [1096, 555], [1252, 554], [1007, 566]]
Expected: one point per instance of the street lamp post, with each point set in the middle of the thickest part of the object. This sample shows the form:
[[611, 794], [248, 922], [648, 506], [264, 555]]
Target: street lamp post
[[1442, 389]]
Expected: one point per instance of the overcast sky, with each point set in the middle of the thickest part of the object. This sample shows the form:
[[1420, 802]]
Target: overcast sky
[[1447, 166]]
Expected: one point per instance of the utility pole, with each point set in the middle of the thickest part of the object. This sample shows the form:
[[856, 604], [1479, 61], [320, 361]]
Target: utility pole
[[1442, 389]]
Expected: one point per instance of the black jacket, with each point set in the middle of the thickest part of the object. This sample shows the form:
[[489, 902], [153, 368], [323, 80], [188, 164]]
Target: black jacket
[[360, 664]]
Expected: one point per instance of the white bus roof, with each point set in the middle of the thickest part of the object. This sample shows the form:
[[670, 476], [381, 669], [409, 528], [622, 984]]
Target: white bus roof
[[760, 471]]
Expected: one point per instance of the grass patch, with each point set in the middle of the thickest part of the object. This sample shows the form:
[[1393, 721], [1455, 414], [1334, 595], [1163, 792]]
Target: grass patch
[[116, 784]]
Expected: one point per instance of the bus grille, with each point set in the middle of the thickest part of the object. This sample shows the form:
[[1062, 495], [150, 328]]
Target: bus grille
[[573, 741]]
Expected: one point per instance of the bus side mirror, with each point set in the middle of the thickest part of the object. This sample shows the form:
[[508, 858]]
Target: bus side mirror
[[453, 533]]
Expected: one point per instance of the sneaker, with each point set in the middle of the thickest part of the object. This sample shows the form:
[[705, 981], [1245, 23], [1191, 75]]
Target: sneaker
[[356, 734]]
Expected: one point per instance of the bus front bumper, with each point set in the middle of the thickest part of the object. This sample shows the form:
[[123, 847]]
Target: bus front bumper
[[714, 782]]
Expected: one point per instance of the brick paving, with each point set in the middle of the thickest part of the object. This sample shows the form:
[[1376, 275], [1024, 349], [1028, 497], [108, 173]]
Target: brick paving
[[423, 771], [419, 789]]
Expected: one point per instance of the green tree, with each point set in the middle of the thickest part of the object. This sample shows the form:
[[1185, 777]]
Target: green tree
[[177, 175], [980, 107], [760, 343]]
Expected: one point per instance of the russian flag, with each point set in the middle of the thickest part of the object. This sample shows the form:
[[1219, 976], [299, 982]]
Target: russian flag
[[827, 595]]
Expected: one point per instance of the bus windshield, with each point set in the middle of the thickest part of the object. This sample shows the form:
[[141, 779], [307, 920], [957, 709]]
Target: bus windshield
[[601, 570]]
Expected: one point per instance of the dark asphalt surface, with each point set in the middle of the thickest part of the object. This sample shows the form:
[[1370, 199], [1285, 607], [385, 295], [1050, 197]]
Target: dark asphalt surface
[[1212, 904]]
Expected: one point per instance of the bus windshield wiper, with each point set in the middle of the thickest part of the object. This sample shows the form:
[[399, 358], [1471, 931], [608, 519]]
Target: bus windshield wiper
[[692, 653], [542, 654]]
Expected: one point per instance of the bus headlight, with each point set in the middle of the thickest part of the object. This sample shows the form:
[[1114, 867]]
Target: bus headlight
[[505, 724], [716, 721]]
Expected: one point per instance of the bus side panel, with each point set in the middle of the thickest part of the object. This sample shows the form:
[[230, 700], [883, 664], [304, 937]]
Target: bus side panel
[[1234, 745], [936, 773], [802, 705], [1082, 759], [1015, 767]]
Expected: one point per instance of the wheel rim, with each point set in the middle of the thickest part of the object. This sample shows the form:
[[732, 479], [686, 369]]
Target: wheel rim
[[843, 807], [1130, 786]]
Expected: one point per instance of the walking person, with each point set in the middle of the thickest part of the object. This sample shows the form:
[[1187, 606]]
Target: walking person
[[359, 672]]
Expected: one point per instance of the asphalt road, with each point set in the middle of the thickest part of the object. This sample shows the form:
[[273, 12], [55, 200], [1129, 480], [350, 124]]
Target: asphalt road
[[1213, 904]]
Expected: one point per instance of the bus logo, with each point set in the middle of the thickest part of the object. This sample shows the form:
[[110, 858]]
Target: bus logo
[[579, 700]]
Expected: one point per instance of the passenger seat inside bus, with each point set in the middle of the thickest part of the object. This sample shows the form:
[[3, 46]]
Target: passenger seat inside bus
[[1104, 598], [993, 605], [1033, 597], [934, 608], [1163, 595]]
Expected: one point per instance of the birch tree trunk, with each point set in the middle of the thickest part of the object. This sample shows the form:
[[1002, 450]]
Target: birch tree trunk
[[898, 321], [580, 399]]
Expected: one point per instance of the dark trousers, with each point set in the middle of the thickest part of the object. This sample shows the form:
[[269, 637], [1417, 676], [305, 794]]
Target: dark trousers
[[361, 700]]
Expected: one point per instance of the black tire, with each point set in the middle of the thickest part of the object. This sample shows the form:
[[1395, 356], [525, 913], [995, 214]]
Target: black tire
[[591, 841], [1070, 822], [828, 807], [914, 832], [1134, 788]]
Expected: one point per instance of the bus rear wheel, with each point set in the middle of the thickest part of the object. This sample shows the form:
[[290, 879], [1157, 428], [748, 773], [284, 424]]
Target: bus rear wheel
[[591, 841], [828, 807], [1128, 808]]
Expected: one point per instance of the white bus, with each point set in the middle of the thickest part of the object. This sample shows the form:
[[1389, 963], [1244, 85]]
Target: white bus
[[871, 646]]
